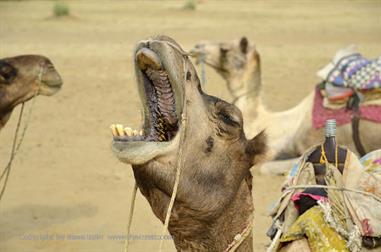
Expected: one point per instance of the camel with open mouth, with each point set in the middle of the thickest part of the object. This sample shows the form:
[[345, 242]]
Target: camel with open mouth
[[23, 77], [214, 203], [289, 132]]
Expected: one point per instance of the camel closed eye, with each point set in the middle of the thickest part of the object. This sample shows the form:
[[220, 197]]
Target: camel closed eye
[[7, 73], [227, 119]]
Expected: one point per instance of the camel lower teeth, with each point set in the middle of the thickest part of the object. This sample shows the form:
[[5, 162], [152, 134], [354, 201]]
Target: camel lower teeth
[[128, 131], [118, 130], [113, 130]]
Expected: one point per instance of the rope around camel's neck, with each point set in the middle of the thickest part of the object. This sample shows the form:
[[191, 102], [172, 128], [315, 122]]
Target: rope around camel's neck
[[18, 140]]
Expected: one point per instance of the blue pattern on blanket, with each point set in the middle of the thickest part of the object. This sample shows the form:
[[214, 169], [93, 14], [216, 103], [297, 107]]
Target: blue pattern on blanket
[[356, 72]]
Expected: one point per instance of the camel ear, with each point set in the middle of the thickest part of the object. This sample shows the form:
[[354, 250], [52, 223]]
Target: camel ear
[[244, 45], [7, 72], [256, 148]]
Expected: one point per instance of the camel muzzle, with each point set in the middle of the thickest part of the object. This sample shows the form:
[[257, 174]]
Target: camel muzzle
[[161, 97]]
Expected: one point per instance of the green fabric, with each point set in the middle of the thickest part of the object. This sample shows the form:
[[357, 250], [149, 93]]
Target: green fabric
[[321, 237]]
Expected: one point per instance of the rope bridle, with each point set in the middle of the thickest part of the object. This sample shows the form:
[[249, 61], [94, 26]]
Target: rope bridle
[[237, 98], [239, 238], [203, 62], [17, 144]]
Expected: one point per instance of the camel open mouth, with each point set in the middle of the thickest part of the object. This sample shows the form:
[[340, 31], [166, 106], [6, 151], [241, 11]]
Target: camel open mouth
[[162, 110]]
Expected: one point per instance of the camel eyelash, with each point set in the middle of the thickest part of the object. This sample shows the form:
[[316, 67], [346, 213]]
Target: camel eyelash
[[227, 119]]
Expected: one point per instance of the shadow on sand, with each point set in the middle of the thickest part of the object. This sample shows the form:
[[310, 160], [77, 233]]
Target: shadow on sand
[[27, 218]]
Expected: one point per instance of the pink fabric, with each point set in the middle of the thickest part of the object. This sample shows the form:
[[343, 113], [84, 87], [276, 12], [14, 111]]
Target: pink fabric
[[296, 196], [342, 116], [366, 227]]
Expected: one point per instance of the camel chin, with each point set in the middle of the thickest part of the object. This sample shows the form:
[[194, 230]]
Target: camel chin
[[141, 152], [48, 90], [50, 84]]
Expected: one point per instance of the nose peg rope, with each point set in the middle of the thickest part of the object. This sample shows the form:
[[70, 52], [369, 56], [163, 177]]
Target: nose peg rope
[[14, 150], [176, 185], [16, 146], [174, 191], [130, 216], [179, 162]]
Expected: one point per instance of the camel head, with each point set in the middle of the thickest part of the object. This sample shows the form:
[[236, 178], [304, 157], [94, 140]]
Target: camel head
[[215, 152], [237, 62], [23, 77]]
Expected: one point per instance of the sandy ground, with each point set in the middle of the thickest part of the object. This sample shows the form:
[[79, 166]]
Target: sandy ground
[[67, 192]]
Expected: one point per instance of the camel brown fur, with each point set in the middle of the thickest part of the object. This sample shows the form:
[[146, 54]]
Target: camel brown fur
[[214, 201], [23, 77], [289, 132]]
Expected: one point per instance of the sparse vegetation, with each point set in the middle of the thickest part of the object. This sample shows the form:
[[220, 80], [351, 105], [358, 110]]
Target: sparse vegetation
[[189, 5], [60, 9]]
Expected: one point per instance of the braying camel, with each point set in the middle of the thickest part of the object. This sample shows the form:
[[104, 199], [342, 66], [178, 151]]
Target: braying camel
[[214, 202]]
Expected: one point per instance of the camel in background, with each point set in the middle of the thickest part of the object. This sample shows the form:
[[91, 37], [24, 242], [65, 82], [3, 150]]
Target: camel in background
[[23, 77], [289, 132], [214, 205]]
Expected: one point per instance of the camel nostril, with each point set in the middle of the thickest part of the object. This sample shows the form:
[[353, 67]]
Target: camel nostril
[[189, 76]]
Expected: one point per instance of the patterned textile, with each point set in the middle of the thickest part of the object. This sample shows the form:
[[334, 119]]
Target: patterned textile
[[372, 161], [369, 181], [342, 116], [349, 69], [356, 72]]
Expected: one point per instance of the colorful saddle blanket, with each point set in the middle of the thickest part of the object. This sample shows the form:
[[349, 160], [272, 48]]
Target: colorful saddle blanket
[[349, 72], [356, 72], [349, 69], [342, 116]]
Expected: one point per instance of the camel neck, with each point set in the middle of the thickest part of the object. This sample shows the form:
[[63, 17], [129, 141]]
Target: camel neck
[[257, 117], [248, 90], [249, 101], [199, 234]]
